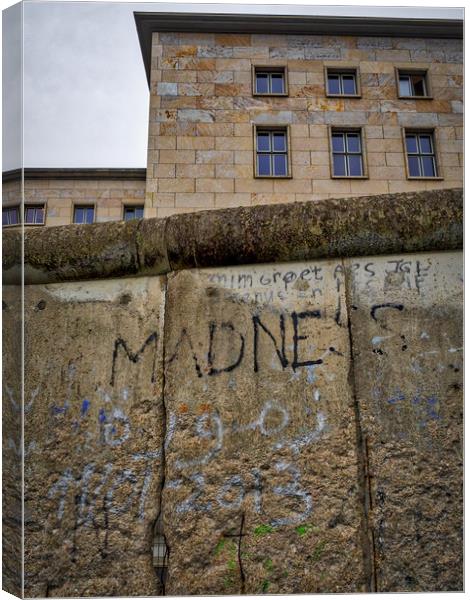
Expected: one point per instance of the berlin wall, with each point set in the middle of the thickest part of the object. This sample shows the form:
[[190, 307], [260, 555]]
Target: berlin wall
[[280, 389]]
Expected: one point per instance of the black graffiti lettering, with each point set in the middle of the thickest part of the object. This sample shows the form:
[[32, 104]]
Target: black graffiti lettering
[[393, 262], [317, 271], [296, 317], [245, 281], [264, 279], [280, 353], [370, 271], [338, 312], [338, 270], [134, 357], [304, 273], [289, 277], [210, 356], [185, 336], [376, 307], [218, 278]]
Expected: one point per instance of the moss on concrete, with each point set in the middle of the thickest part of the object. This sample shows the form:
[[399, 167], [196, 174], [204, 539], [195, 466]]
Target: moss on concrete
[[369, 225]]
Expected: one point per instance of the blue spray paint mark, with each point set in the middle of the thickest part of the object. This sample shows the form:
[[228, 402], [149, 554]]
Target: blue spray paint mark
[[85, 407], [398, 397], [60, 410], [102, 416]]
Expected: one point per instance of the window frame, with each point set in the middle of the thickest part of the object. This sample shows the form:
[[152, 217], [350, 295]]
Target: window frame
[[18, 212], [255, 69], [259, 127], [360, 131], [426, 131], [343, 70], [89, 205], [399, 71], [134, 206], [42, 205]]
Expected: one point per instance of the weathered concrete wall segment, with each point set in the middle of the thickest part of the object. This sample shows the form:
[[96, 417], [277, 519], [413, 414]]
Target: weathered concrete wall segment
[[296, 425], [389, 223]]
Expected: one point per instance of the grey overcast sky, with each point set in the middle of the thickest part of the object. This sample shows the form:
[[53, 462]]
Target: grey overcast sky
[[84, 86]]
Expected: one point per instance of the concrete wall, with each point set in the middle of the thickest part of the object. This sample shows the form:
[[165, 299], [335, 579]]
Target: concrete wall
[[295, 424], [202, 112]]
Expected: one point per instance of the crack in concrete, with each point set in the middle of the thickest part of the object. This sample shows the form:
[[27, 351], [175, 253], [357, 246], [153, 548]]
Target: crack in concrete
[[240, 563], [368, 540], [160, 573]]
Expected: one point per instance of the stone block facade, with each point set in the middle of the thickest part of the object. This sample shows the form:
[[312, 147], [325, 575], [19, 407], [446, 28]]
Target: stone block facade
[[108, 196], [202, 113]]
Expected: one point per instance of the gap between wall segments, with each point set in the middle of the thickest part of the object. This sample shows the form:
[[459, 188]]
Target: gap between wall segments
[[368, 538], [158, 523]]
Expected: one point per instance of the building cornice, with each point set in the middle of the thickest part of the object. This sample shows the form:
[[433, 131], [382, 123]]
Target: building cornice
[[147, 23], [77, 173]]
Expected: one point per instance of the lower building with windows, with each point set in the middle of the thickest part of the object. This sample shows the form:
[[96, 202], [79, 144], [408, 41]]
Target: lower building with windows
[[319, 107], [66, 196]]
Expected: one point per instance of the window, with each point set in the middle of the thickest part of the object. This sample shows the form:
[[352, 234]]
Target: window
[[34, 214], [84, 214], [11, 215], [412, 84], [270, 81], [341, 82], [347, 153], [133, 212], [421, 154], [272, 154]]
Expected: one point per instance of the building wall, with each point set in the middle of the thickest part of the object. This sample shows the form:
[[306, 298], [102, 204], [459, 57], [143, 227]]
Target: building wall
[[202, 111], [60, 195]]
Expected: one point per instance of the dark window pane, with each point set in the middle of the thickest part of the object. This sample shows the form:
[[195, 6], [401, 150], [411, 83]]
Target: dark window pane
[[262, 83], [428, 166], [277, 83], [413, 166], [338, 142], [14, 216], [89, 214], [349, 84], [5, 217], [355, 165], [128, 214], [339, 167], [280, 164], [78, 215], [419, 88], [279, 142], [264, 164], [139, 212], [354, 143], [411, 145], [405, 87], [425, 144], [263, 142], [333, 84], [29, 215]]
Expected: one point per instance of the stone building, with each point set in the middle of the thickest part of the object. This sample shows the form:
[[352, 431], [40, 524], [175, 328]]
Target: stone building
[[64, 196], [316, 108]]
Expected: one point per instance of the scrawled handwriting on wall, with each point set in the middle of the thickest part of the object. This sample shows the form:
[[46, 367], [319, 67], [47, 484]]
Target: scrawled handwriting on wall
[[233, 489]]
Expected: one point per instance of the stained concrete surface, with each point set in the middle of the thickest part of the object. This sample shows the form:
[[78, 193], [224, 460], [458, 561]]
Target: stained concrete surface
[[93, 437], [303, 420]]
